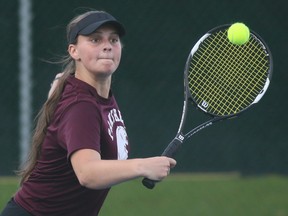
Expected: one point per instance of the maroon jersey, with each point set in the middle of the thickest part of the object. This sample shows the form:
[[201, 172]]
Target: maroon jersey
[[82, 120]]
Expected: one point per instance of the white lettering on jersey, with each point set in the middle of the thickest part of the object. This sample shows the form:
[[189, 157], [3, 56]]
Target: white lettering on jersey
[[122, 143], [113, 116]]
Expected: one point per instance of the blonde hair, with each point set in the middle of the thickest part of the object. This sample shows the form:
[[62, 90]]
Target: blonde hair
[[46, 113]]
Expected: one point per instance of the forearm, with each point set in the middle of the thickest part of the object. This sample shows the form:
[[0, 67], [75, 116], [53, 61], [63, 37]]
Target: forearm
[[94, 173], [106, 173]]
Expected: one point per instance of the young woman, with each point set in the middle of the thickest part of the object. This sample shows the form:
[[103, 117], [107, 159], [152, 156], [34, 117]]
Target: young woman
[[80, 145]]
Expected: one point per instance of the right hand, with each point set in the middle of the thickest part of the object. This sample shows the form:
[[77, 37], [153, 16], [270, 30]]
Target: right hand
[[157, 168]]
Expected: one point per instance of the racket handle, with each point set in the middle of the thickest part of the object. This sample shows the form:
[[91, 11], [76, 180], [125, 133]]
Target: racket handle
[[168, 152], [148, 183], [173, 147]]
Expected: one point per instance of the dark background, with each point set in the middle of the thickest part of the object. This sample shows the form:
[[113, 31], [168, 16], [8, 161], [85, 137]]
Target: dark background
[[149, 82]]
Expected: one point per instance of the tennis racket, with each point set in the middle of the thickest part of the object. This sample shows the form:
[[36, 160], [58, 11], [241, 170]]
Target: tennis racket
[[222, 80]]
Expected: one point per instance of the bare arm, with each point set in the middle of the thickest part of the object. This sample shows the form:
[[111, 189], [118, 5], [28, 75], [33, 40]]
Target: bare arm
[[54, 84], [94, 173]]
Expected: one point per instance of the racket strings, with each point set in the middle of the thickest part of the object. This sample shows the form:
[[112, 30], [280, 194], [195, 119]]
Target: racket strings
[[253, 80], [211, 80], [243, 81], [225, 78], [215, 80]]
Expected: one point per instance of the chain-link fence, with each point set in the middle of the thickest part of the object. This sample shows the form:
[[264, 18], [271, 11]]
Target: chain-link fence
[[149, 84]]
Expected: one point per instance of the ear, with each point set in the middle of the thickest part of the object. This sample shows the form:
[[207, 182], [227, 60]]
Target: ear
[[72, 49]]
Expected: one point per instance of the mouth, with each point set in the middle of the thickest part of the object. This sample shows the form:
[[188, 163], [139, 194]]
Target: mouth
[[106, 58]]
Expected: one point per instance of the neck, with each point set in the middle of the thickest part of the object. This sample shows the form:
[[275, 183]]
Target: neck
[[103, 89], [101, 83]]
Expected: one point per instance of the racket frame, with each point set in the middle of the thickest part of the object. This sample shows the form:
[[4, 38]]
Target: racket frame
[[180, 137]]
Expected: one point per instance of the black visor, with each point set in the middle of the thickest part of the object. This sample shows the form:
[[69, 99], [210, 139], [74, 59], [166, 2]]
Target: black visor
[[90, 23]]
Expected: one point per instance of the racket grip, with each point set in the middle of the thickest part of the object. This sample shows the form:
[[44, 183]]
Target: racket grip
[[148, 183], [173, 147], [168, 152]]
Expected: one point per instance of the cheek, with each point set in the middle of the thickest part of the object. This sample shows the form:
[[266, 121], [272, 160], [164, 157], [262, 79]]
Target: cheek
[[87, 56], [85, 52], [118, 54]]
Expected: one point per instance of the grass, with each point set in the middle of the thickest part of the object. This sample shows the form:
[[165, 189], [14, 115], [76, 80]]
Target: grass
[[186, 194]]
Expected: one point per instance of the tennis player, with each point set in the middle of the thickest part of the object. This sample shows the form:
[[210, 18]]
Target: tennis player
[[80, 145]]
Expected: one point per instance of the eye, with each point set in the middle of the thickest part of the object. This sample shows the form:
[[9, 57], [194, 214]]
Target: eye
[[114, 40], [95, 40]]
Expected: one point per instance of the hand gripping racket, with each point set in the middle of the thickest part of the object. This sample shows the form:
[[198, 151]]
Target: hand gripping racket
[[222, 80]]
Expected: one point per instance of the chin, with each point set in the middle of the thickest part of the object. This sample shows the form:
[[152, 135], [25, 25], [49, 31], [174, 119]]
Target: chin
[[105, 73]]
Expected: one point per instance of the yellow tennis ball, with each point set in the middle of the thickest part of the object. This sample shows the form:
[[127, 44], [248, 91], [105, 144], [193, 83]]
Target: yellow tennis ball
[[238, 33]]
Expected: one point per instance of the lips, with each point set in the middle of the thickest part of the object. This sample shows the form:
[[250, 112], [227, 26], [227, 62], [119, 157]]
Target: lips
[[104, 58], [108, 58]]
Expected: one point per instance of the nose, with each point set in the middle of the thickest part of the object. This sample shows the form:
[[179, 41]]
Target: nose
[[107, 47]]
